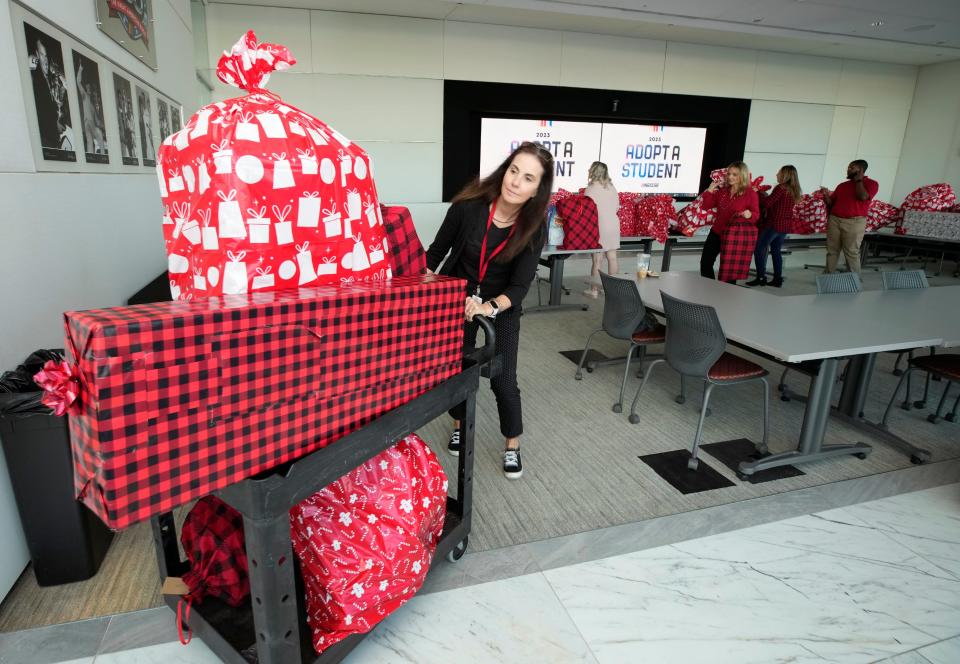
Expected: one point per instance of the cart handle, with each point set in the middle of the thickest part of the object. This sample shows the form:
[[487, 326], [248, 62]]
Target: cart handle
[[484, 354]]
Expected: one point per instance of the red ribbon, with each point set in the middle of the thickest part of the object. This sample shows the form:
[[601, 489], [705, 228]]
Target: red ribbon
[[60, 383]]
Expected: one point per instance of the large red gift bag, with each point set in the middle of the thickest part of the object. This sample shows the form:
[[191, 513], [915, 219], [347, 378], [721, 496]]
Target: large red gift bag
[[655, 214], [694, 217], [929, 198], [581, 229], [259, 195], [881, 214], [810, 214], [366, 541]]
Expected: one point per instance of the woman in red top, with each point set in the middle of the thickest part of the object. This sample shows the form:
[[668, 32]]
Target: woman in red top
[[734, 233], [777, 222]]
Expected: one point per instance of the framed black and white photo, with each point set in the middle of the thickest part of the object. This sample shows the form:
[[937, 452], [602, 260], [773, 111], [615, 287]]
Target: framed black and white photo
[[176, 123], [130, 24], [52, 104], [163, 117], [145, 125], [126, 120], [93, 127]]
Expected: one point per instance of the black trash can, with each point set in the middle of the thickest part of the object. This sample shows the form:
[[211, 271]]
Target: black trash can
[[67, 542]]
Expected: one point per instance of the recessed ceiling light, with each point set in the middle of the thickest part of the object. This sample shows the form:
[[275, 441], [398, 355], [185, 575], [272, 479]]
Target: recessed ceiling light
[[877, 23]]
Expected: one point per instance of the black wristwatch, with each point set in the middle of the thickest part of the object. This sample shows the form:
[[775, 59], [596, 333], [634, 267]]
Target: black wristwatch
[[496, 308]]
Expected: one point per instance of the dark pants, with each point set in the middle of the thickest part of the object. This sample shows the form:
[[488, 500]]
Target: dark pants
[[506, 326], [769, 237]]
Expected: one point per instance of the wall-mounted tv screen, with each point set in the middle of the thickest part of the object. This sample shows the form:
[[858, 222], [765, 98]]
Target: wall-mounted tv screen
[[648, 159]]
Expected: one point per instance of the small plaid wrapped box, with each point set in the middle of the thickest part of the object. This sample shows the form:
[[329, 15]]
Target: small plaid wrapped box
[[404, 250], [179, 399]]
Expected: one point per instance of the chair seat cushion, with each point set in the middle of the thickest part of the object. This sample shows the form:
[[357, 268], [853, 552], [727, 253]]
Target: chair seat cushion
[[656, 335], [947, 365], [732, 367]]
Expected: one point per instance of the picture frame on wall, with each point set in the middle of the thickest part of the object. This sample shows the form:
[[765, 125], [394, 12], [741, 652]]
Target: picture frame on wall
[[145, 125], [92, 126], [48, 79], [163, 118], [176, 120], [130, 23], [126, 120]]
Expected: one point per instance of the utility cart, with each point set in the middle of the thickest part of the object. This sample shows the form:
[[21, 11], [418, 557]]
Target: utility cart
[[271, 627]]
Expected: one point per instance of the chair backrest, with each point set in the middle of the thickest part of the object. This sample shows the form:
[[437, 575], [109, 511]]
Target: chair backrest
[[695, 339], [622, 307], [838, 282], [897, 279]]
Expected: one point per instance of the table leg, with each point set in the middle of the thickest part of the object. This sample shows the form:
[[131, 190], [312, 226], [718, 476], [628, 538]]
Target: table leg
[[667, 252], [556, 279], [810, 446]]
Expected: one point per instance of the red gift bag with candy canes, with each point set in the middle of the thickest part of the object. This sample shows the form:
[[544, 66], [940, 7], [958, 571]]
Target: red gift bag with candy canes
[[366, 541], [810, 214], [881, 214], [259, 195]]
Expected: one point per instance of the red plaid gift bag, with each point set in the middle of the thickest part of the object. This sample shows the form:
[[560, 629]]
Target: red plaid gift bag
[[655, 214], [810, 214], [365, 542], [406, 254], [881, 214], [260, 195], [581, 228], [736, 250], [695, 216]]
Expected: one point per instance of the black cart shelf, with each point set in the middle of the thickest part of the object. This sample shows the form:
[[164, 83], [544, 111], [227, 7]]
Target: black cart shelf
[[271, 627]]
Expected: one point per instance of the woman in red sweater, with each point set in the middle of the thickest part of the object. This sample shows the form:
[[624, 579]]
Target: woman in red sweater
[[777, 222], [734, 233]]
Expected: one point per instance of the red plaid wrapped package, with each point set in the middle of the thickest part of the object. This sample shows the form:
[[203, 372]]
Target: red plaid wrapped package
[[655, 214], [179, 399], [581, 224], [810, 214], [366, 541], [929, 198], [695, 216], [260, 195], [405, 253], [881, 214]]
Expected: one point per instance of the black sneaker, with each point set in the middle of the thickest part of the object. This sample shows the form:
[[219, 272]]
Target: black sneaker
[[776, 283], [756, 282], [453, 446], [512, 467]]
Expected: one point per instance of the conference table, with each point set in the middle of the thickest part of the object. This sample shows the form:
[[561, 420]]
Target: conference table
[[828, 328]]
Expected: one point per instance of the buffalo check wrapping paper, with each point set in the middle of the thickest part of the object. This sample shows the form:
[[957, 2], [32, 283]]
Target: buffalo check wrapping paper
[[179, 399]]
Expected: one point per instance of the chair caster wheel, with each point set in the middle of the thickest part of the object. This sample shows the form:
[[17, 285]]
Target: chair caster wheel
[[634, 418], [693, 464], [578, 376], [932, 419], [784, 397], [589, 370], [680, 399], [743, 477], [920, 404], [917, 460], [762, 450], [897, 372], [860, 455], [949, 417], [906, 405], [617, 408], [456, 553]]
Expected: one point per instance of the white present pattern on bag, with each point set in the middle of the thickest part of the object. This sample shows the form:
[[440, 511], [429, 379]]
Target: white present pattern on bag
[[283, 227], [282, 173], [229, 219], [235, 274], [308, 210], [259, 225]]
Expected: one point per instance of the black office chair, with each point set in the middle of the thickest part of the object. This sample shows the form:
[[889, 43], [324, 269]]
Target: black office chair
[[947, 367], [695, 348], [897, 280], [827, 284], [623, 311]]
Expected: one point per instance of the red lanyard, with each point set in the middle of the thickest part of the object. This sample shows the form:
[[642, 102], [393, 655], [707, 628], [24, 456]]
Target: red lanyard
[[484, 264]]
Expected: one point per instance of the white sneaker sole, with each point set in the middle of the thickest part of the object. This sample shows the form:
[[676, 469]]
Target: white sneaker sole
[[513, 475], [455, 453]]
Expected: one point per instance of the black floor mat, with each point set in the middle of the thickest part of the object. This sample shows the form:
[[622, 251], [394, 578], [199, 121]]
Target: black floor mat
[[731, 452], [672, 466], [592, 356]]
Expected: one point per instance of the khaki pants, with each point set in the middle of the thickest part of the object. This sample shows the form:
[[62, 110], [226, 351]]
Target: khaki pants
[[847, 235]]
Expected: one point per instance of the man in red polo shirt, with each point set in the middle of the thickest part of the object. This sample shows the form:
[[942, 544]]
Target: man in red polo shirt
[[848, 205]]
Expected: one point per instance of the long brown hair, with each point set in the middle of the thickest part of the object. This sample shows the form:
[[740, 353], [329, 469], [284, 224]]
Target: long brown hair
[[791, 181], [533, 213]]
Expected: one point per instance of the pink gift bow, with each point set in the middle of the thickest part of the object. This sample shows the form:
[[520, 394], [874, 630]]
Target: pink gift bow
[[258, 216], [230, 195], [60, 382], [236, 257], [281, 215]]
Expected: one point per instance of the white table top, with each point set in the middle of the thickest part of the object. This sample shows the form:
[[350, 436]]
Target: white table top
[[809, 327]]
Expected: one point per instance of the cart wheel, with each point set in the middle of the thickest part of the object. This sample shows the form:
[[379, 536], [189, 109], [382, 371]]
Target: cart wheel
[[578, 376], [634, 418], [456, 553], [949, 417], [680, 398], [920, 404], [589, 369], [906, 405], [932, 418], [617, 408], [693, 464], [916, 460], [860, 455]]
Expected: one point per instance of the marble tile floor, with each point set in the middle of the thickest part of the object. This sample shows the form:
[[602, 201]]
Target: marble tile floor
[[877, 581]]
